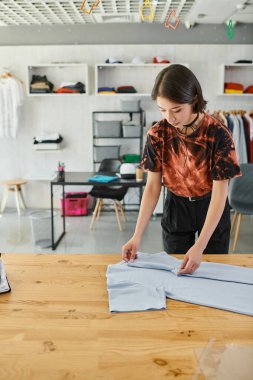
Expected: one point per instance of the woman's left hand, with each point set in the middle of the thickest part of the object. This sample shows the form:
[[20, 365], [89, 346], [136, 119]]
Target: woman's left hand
[[191, 261]]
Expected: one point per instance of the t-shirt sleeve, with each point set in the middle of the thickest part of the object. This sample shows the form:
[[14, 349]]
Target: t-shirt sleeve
[[151, 158], [225, 162]]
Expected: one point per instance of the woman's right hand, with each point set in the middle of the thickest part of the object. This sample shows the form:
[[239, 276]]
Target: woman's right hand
[[129, 250]]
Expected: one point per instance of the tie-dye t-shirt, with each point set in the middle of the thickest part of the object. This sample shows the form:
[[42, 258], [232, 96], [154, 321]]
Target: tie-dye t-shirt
[[189, 164]]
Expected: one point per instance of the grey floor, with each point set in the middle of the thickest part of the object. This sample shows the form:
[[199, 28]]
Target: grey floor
[[16, 234]]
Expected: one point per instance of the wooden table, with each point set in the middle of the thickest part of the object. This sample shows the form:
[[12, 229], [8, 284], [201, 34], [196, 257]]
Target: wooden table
[[55, 324]]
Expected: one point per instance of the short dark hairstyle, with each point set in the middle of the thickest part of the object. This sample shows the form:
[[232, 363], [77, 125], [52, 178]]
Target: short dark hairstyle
[[179, 84]]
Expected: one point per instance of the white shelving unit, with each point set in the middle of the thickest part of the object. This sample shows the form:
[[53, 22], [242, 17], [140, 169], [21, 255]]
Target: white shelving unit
[[140, 76], [237, 73], [58, 73]]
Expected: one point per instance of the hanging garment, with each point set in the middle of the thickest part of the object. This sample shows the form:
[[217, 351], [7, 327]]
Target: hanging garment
[[144, 284], [250, 132], [11, 100], [243, 144], [247, 136], [229, 123], [239, 139]]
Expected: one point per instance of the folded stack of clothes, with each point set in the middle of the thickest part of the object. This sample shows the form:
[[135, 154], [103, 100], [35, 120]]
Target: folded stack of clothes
[[237, 88], [120, 90], [160, 59], [249, 61], [71, 88], [233, 88], [113, 60], [40, 85], [106, 90], [126, 90], [47, 141], [248, 90]]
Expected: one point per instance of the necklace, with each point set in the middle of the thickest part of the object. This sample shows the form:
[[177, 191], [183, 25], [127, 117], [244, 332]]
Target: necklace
[[194, 126]]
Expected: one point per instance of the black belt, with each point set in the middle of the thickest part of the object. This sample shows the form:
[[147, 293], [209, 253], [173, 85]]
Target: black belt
[[194, 199]]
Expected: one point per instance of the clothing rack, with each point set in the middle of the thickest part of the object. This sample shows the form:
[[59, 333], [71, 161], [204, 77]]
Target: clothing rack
[[240, 123], [233, 112]]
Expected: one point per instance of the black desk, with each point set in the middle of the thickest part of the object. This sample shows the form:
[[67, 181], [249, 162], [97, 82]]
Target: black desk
[[81, 178]]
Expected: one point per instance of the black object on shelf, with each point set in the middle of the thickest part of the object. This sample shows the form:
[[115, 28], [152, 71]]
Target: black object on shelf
[[61, 176]]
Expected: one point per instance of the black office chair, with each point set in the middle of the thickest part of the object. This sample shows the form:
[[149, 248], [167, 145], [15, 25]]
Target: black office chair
[[115, 193], [240, 197]]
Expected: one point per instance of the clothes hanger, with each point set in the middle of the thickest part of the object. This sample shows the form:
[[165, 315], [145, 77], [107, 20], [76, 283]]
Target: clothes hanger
[[8, 74]]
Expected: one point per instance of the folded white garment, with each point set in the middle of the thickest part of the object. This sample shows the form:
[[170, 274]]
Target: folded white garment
[[4, 285], [216, 285], [48, 136], [64, 84]]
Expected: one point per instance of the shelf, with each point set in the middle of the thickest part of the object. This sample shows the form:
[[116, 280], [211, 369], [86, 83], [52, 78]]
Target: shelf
[[240, 95], [48, 150], [56, 95], [127, 145], [140, 76], [118, 95], [57, 73], [237, 73], [238, 64], [113, 138], [119, 111]]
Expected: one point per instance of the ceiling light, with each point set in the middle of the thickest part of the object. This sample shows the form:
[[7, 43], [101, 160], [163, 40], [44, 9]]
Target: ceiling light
[[188, 24], [240, 7]]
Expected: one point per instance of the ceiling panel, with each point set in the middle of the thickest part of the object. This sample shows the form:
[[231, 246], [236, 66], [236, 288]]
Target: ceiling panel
[[218, 12], [58, 12]]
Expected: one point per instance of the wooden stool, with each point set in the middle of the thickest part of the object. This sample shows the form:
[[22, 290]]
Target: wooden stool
[[13, 185]]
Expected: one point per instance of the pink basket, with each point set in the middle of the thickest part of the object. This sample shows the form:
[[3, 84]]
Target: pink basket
[[75, 206]]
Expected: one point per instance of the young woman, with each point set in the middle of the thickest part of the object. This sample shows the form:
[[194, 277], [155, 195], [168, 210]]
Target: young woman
[[193, 154]]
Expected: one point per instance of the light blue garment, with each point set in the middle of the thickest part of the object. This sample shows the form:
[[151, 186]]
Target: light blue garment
[[102, 178], [143, 296], [216, 285], [215, 271]]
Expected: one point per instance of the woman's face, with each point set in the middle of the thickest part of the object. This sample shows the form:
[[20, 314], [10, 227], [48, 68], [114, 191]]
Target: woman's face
[[176, 114]]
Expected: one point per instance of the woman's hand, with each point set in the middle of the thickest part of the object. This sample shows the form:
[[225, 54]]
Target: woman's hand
[[129, 250], [191, 261]]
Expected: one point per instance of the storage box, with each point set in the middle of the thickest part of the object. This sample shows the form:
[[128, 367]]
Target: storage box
[[131, 130], [106, 151], [108, 128], [76, 204], [130, 105]]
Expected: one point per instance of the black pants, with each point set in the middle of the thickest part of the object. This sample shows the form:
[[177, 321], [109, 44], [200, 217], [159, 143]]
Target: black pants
[[183, 218]]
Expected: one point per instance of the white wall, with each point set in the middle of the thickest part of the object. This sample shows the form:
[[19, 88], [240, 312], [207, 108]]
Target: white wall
[[72, 116]]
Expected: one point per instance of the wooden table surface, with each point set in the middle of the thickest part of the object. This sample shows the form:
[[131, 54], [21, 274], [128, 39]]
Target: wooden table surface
[[55, 324]]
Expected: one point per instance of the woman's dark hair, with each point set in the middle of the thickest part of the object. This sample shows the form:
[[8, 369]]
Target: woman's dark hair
[[179, 84]]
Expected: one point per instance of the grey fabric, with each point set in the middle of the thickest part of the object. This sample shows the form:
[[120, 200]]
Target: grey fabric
[[241, 190], [239, 139], [221, 286]]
